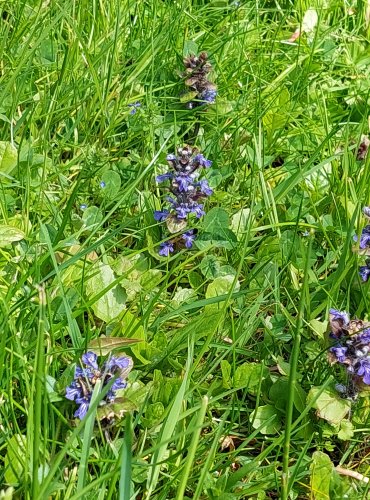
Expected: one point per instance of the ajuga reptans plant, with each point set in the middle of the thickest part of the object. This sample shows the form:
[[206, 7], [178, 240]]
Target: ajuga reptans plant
[[201, 90], [185, 194], [85, 378], [364, 247], [351, 346]]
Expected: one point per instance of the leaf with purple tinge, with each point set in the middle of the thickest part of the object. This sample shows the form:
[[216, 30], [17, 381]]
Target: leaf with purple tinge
[[175, 225], [105, 345]]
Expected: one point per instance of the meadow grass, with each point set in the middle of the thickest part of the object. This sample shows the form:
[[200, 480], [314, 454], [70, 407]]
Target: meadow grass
[[219, 403]]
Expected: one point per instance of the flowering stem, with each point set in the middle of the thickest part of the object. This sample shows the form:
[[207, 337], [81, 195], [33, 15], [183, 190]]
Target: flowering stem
[[293, 379]]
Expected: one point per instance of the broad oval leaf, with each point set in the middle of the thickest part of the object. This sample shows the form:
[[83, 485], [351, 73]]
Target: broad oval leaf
[[329, 405], [321, 470], [10, 234], [109, 305], [266, 419]]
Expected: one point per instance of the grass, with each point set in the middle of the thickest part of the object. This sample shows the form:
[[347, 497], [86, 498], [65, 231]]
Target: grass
[[223, 401]]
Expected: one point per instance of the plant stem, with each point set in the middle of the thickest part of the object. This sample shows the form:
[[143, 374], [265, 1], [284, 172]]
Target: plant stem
[[293, 379]]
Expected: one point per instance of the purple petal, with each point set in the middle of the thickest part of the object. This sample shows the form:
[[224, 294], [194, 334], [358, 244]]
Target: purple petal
[[73, 391], [164, 177], [90, 359], [161, 215], [166, 249]]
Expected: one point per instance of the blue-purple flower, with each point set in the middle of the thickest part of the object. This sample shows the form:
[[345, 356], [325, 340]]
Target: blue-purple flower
[[166, 248], [134, 107], [364, 238], [81, 388], [209, 96], [188, 238], [364, 272], [161, 215], [340, 353], [362, 369], [341, 316]]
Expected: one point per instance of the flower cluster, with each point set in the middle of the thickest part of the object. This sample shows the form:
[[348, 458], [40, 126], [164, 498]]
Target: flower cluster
[[352, 345], [186, 190], [196, 73], [364, 245], [81, 389]]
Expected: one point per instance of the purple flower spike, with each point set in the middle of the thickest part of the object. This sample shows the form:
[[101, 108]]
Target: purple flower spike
[[164, 177], [363, 369], [166, 248], [161, 215], [340, 353], [189, 238], [90, 360]]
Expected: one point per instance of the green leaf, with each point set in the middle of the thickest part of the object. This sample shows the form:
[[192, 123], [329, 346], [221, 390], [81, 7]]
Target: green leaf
[[210, 266], [116, 409], [112, 184], [108, 306], [190, 48], [188, 96], [346, 430], [92, 216], [226, 374], [239, 222], [321, 471], [267, 418], [225, 238], [10, 234], [215, 220], [249, 375], [220, 286], [132, 326], [8, 157], [15, 459], [329, 405], [183, 296]]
